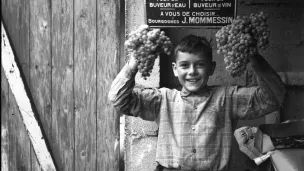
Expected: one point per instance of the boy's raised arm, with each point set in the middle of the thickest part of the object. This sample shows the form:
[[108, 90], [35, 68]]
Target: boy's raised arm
[[268, 79], [267, 97], [144, 103]]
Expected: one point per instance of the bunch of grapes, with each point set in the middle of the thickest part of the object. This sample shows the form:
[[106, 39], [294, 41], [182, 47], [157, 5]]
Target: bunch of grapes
[[240, 39], [145, 44]]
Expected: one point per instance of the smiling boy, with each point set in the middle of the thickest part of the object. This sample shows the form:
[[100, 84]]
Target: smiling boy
[[196, 124]]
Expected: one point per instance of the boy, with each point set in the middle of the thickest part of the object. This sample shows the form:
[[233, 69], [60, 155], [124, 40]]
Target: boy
[[196, 124]]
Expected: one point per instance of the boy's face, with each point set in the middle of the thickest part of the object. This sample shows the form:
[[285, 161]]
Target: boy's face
[[193, 70]]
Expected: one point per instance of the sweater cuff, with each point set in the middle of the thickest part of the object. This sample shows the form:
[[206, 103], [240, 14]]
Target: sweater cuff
[[127, 72]]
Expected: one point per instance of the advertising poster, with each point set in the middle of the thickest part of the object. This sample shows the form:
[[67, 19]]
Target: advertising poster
[[190, 13]]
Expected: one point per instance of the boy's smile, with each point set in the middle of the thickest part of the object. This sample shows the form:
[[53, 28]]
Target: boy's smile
[[193, 70]]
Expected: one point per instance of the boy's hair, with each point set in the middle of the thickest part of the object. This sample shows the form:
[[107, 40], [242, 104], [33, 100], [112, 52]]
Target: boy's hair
[[194, 44]]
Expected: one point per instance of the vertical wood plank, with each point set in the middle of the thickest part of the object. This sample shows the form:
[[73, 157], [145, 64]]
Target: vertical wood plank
[[62, 84], [40, 66], [108, 59], [4, 107], [3, 11], [4, 123], [18, 30], [85, 84], [17, 22], [20, 156]]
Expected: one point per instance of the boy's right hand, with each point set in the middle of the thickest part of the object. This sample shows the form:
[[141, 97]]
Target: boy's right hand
[[133, 63]]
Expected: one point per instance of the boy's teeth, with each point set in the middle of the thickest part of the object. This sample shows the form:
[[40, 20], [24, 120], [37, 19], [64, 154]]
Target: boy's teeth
[[192, 80]]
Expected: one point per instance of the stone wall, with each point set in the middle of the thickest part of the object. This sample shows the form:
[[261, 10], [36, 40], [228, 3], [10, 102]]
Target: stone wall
[[140, 135]]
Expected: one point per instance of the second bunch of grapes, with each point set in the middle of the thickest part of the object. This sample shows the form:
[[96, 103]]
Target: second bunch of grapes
[[240, 39]]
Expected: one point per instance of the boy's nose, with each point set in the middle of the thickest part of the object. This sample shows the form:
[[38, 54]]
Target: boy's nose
[[192, 70]]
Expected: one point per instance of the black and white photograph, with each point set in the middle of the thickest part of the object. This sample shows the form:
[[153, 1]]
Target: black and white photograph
[[152, 85]]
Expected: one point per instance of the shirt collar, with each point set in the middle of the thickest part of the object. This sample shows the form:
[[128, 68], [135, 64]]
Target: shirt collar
[[204, 91]]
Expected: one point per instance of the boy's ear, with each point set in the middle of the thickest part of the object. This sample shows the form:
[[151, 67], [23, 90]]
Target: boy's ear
[[174, 68], [213, 65]]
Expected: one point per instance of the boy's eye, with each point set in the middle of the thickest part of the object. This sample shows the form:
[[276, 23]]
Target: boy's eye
[[201, 64], [183, 65]]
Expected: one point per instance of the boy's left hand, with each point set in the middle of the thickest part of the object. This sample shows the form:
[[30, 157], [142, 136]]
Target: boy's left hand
[[133, 63]]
